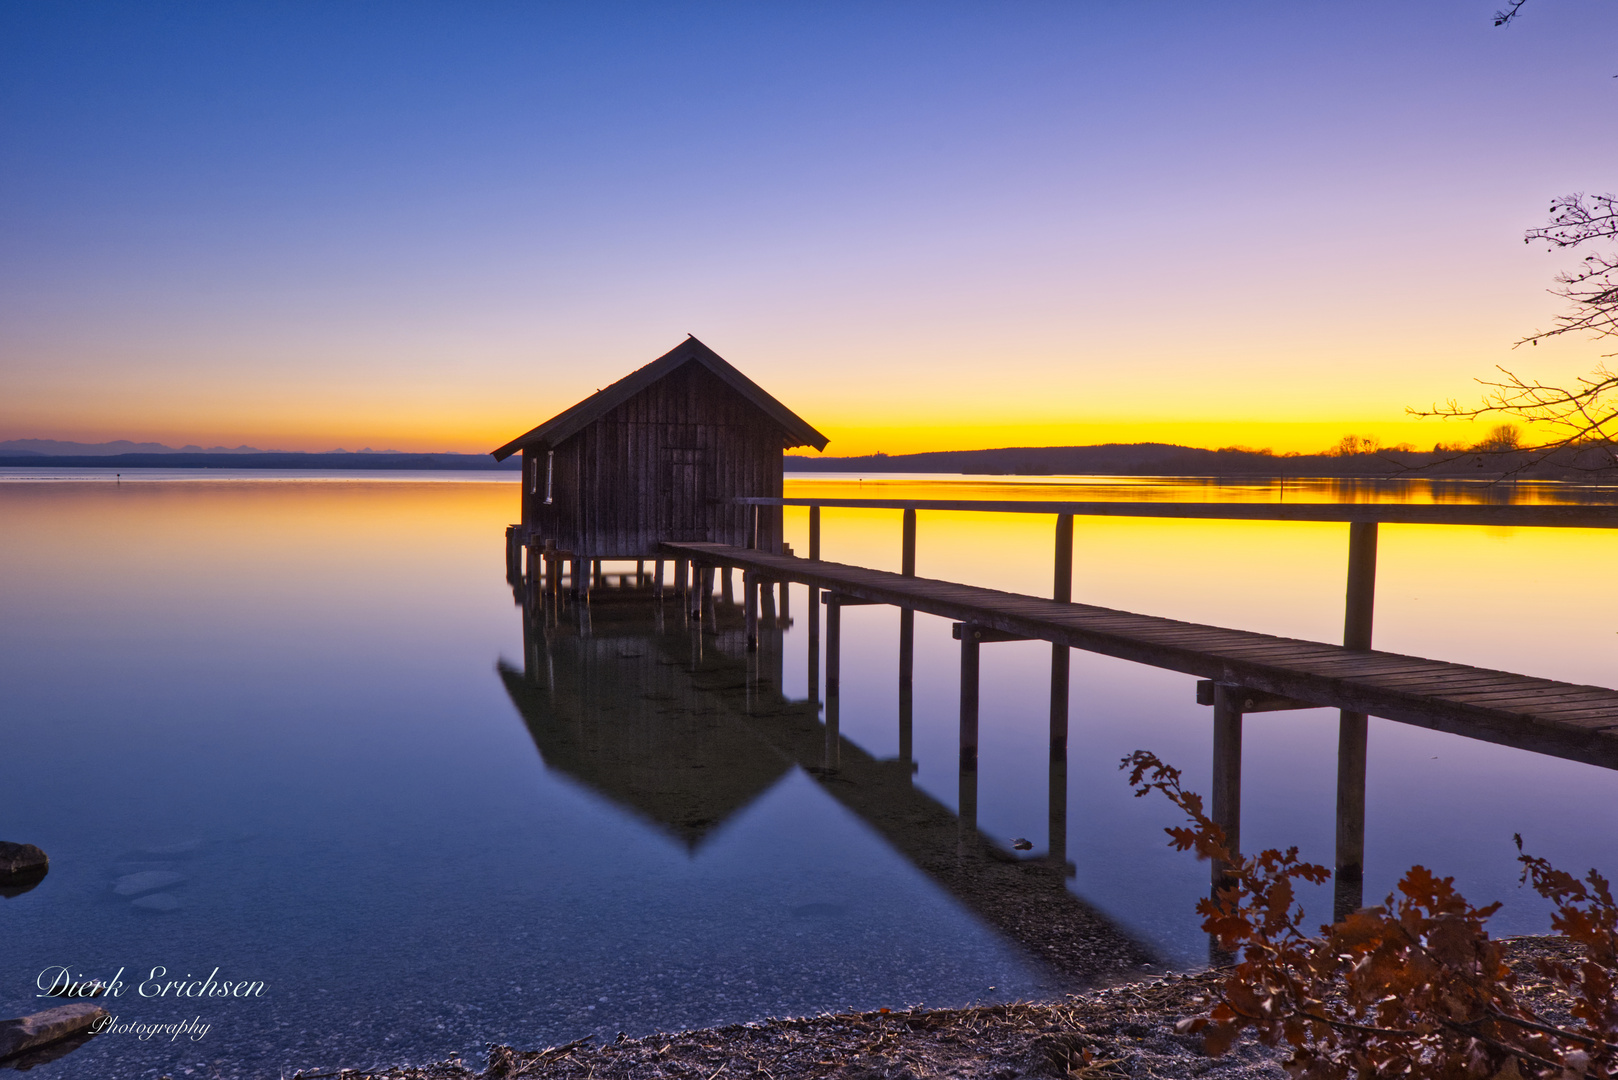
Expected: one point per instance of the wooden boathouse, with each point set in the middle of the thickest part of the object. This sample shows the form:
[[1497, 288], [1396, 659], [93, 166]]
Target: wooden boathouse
[[662, 454]]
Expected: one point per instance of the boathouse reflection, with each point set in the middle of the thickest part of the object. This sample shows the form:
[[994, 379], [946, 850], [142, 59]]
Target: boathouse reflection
[[674, 720]]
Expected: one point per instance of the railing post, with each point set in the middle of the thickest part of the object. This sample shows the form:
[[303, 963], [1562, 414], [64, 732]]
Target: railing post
[[1358, 611], [1061, 655], [907, 552]]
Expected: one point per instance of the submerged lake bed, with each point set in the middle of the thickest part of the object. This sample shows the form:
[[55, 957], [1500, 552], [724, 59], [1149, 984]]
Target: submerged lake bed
[[286, 727]]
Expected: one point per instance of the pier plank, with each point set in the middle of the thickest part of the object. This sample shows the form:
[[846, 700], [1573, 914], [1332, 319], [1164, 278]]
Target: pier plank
[[1562, 719]]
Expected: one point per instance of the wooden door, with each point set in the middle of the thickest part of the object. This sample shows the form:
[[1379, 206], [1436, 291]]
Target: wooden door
[[685, 494]]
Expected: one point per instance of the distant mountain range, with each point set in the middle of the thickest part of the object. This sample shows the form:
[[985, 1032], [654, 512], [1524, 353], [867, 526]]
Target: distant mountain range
[[124, 454], [1112, 459], [1167, 459], [58, 448]]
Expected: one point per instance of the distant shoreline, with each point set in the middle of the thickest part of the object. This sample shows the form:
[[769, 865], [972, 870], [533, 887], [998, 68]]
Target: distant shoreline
[[279, 461], [1113, 459], [1167, 459]]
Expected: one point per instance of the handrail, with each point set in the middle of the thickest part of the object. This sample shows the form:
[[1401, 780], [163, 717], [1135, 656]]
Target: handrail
[[1566, 517]]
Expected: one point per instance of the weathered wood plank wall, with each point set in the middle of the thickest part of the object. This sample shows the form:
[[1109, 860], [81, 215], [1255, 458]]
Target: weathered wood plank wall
[[668, 464]]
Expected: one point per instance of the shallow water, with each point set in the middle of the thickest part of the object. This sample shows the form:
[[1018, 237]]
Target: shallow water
[[310, 699]]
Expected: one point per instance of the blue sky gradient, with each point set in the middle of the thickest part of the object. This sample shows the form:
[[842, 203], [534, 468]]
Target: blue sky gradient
[[921, 225]]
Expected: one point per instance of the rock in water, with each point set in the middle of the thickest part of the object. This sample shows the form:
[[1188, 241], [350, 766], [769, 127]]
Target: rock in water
[[21, 860], [146, 881], [27, 1032], [1022, 844]]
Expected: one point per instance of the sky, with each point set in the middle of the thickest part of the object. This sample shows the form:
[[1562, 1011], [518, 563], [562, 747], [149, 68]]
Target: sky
[[938, 225]]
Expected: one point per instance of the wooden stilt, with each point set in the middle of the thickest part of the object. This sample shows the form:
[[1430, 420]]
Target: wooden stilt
[[1056, 816], [834, 651], [710, 609], [1226, 804], [750, 600], [1061, 658], [969, 698], [907, 707], [786, 604], [967, 811], [657, 580], [766, 601], [1352, 727], [726, 588], [813, 680], [834, 635]]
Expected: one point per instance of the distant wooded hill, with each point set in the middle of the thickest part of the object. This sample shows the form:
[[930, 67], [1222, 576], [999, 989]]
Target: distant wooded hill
[[1166, 459], [256, 459], [1113, 459]]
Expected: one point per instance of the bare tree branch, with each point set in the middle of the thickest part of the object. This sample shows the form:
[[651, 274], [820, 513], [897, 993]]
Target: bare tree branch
[[1509, 12]]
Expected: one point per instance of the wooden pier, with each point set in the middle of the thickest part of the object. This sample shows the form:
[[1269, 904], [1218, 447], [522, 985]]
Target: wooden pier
[[1239, 671], [1564, 719]]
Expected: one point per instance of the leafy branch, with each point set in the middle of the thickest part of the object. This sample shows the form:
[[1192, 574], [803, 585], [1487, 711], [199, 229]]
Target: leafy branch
[[1412, 988]]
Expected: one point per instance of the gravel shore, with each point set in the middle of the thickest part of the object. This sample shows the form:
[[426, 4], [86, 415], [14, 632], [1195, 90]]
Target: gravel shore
[[1117, 1032]]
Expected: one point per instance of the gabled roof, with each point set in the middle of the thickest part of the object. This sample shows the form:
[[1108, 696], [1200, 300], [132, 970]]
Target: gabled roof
[[570, 422]]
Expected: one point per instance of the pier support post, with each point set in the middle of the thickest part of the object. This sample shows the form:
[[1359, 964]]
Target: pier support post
[[1227, 772], [907, 638], [710, 608], [814, 609], [786, 605], [1056, 821], [834, 650], [727, 591], [533, 580], [1349, 879], [967, 822], [766, 601], [969, 698], [750, 601], [834, 636], [1061, 655], [813, 675], [657, 581]]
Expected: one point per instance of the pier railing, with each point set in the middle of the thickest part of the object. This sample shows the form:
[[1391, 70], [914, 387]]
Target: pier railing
[[1229, 700]]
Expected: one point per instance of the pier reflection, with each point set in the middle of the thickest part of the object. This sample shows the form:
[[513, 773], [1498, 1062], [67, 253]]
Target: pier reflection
[[675, 721]]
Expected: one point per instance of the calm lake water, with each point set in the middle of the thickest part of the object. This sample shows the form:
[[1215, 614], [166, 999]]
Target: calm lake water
[[286, 727]]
